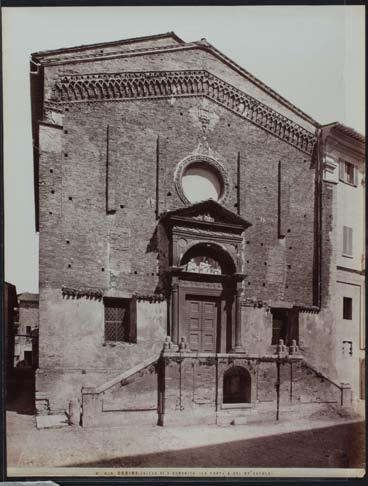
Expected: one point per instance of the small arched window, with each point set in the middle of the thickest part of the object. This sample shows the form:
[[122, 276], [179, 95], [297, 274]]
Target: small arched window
[[237, 385]]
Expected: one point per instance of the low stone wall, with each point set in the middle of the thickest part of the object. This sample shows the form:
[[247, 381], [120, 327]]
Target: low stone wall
[[131, 397]]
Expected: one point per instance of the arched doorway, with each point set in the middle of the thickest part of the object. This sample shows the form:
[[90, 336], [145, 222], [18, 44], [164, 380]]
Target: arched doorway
[[208, 298], [237, 385]]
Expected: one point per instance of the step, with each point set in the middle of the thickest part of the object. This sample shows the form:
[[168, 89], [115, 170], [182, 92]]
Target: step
[[52, 421], [234, 416], [226, 420], [237, 411]]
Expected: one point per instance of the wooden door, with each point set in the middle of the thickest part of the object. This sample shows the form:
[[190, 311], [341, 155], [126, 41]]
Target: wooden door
[[201, 323]]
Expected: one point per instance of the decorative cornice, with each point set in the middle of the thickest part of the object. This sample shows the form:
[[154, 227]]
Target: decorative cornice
[[164, 84], [41, 55], [312, 309], [252, 302], [347, 131], [350, 270], [199, 232], [53, 106], [152, 298], [77, 293]]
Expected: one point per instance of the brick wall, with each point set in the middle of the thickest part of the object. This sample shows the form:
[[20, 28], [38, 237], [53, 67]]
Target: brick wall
[[98, 226], [79, 239]]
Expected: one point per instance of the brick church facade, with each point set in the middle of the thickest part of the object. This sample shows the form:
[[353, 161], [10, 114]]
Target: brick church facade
[[185, 246]]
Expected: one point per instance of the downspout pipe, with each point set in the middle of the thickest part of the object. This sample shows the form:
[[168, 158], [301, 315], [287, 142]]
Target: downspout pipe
[[36, 85], [319, 175]]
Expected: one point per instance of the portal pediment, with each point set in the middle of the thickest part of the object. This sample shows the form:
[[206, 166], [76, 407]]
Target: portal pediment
[[207, 216], [206, 225]]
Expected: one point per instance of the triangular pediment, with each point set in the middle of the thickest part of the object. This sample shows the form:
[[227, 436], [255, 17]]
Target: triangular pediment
[[86, 74], [207, 213], [105, 49]]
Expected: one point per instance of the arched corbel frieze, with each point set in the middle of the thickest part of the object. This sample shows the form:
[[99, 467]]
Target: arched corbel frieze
[[167, 84]]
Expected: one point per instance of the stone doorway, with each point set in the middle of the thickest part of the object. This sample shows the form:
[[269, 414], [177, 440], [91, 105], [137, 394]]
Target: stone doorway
[[203, 248]]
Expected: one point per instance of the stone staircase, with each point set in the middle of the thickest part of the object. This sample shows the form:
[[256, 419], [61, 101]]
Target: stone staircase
[[136, 395], [129, 397]]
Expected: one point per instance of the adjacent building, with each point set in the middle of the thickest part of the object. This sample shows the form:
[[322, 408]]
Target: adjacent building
[[344, 155], [26, 335], [190, 259], [10, 303]]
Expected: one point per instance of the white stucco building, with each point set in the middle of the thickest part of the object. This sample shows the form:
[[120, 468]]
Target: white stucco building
[[345, 168]]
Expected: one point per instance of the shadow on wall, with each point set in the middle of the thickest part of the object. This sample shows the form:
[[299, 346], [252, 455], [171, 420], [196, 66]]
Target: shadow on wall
[[21, 391], [327, 447]]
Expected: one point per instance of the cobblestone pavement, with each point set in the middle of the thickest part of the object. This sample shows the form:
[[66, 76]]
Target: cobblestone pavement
[[321, 443]]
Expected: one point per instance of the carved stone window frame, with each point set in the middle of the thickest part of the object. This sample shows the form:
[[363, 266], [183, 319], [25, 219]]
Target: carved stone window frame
[[212, 163]]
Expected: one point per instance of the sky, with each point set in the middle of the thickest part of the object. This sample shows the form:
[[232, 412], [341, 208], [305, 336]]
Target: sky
[[312, 56]]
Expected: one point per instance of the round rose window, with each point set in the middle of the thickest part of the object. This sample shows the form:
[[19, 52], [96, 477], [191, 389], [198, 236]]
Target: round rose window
[[201, 177], [201, 182]]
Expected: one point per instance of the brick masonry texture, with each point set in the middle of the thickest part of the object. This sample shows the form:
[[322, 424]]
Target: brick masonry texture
[[98, 227], [79, 198]]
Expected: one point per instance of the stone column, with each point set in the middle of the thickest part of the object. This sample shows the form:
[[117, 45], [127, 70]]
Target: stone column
[[238, 348], [174, 311]]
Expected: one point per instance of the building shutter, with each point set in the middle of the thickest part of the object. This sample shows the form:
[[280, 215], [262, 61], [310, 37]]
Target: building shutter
[[356, 172], [347, 245], [341, 170]]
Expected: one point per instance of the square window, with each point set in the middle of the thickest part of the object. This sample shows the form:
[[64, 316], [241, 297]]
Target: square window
[[347, 308], [28, 330], [120, 323], [348, 172]]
